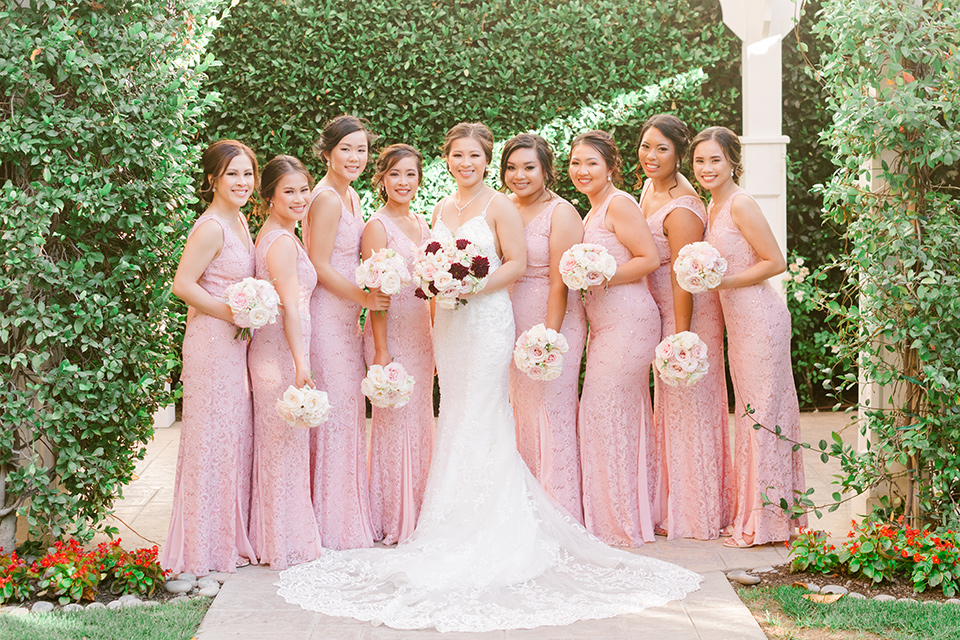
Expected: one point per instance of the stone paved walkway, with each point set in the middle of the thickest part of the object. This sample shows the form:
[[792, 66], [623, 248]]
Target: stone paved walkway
[[248, 608]]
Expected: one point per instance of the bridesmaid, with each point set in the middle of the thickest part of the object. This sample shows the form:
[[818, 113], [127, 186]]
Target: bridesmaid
[[695, 488], [616, 422], [208, 528], [283, 528], [546, 412], [758, 336], [402, 438], [331, 232]]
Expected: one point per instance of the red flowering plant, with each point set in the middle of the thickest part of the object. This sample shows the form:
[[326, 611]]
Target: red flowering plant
[[811, 551], [870, 552], [68, 574], [137, 572], [17, 579]]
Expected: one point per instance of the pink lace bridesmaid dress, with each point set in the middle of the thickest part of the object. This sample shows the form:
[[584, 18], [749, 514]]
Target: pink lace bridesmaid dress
[[283, 527], [617, 453], [211, 496], [546, 412], [338, 447], [758, 342], [695, 486], [401, 441]]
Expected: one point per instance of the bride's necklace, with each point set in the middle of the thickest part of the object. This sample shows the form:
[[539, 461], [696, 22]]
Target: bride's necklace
[[460, 209]]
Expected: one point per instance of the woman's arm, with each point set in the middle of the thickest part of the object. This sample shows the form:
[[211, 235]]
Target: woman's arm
[[626, 221], [682, 227], [203, 245], [282, 264], [324, 219], [566, 230], [373, 239], [753, 225], [508, 231]]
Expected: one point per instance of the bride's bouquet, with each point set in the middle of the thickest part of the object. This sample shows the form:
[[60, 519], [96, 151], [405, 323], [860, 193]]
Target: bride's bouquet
[[385, 270], [448, 269], [585, 265], [305, 407], [254, 304], [699, 267], [389, 386], [539, 352], [681, 359]]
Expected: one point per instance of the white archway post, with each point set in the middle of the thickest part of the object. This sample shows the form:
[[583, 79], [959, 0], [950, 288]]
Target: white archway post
[[761, 25]]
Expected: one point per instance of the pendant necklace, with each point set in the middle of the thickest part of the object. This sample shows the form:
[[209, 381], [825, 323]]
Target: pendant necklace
[[460, 209]]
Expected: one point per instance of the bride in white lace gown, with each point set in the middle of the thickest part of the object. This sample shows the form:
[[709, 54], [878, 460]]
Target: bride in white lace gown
[[490, 550]]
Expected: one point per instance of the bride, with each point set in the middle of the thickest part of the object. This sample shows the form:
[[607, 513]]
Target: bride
[[490, 550]]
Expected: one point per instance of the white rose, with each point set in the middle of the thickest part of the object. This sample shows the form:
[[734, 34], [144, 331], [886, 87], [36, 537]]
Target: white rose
[[390, 283], [259, 316]]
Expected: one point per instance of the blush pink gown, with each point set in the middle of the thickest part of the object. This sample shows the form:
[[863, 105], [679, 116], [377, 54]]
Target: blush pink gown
[[283, 527], [546, 412], [402, 438], [211, 496], [617, 453], [695, 486], [338, 447], [758, 341]]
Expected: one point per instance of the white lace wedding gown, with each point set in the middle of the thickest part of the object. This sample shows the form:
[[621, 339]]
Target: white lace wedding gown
[[490, 550]]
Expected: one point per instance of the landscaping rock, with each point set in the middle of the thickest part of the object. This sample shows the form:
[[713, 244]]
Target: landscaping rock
[[178, 586], [16, 611], [179, 599], [744, 578], [115, 605], [73, 606], [883, 598], [188, 577], [148, 603], [907, 600], [809, 586], [42, 607], [219, 577], [763, 570], [209, 592], [128, 598], [834, 588], [931, 602], [951, 601], [95, 605], [856, 596], [203, 583]]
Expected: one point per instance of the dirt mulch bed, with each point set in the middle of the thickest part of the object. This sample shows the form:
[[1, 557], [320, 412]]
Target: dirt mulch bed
[[898, 587]]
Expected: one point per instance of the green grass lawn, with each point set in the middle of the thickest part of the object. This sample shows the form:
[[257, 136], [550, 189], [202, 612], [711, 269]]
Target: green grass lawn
[[784, 614], [161, 622]]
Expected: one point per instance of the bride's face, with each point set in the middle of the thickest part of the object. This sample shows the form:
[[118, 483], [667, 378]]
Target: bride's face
[[467, 162]]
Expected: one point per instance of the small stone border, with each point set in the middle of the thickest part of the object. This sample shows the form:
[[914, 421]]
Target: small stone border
[[185, 586], [747, 578]]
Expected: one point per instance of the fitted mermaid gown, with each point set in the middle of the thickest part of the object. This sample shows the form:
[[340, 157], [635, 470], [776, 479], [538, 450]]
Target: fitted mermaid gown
[[490, 551]]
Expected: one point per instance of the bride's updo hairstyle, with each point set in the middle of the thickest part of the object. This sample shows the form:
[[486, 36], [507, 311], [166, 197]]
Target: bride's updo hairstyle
[[215, 160], [476, 130], [606, 147], [335, 131], [273, 172], [540, 146], [389, 158], [728, 141]]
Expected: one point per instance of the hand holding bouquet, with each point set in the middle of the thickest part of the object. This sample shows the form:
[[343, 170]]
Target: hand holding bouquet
[[385, 270], [254, 304], [389, 386], [699, 267], [585, 265], [539, 352], [447, 270], [306, 407], [681, 359]]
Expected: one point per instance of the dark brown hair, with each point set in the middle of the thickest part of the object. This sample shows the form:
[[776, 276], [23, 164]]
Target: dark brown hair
[[604, 144], [388, 159], [215, 160], [728, 141], [336, 130], [673, 129], [273, 171], [540, 146], [476, 130]]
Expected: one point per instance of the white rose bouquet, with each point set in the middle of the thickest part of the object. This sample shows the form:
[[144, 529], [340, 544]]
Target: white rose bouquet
[[385, 270], [389, 386], [585, 265], [681, 359], [446, 270], [699, 267], [254, 303], [305, 407], [539, 352]]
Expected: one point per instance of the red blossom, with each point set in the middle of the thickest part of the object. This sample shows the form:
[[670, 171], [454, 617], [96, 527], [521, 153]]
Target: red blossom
[[432, 247], [480, 266], [462, 243]]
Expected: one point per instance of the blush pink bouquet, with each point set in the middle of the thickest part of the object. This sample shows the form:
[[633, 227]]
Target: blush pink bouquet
[[585, 265], [306, 407], [254, 304], [681, 359], [385, 270], [539, 352], [447, 270], [699, 267], [389, 386]]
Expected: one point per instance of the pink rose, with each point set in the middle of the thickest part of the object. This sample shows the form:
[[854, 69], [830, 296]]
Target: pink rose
[[594, 277], [395, 372], [567, 263], [664, 350]]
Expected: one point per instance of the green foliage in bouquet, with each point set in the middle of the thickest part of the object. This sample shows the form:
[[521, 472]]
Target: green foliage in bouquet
[[100, 117]]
